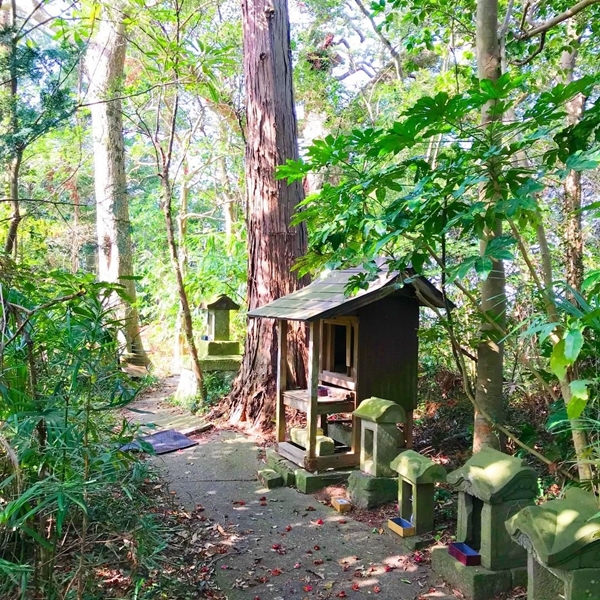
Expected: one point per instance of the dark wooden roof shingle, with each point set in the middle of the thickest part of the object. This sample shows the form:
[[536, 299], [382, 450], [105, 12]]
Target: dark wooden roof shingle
[[325, 297]]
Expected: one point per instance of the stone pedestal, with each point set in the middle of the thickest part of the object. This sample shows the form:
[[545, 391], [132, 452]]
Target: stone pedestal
[[366, 491], [380, 437], [417, 476], [562, 540], [492, 487]]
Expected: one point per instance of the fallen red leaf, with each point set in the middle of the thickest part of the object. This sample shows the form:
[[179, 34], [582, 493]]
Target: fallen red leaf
[[376, 589], [263, 498], [342, 521], [276, 546], [319, 561], [276, 572], [342, 594], [307, 588], [317, 547], [355, 587], [388, 568], [297, 566], [319, 521], [288, 528]]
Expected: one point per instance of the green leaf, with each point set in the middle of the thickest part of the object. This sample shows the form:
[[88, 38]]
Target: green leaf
[[558, 361], [573, 344], [484, 266], [575, 407]]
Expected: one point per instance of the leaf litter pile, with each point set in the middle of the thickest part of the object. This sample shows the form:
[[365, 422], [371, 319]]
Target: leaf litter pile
[[152, 549]]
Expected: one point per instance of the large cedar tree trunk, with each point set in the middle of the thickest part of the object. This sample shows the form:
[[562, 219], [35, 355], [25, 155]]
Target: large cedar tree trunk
[[273, 245], [490, 352], [105, 63]]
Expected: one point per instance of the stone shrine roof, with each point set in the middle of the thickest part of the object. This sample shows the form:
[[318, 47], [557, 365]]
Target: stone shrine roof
[[378, 410], [222, 302], [416, 468], [495, 477], [563, 533]]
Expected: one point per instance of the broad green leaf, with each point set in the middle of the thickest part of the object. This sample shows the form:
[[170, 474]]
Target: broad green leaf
[[573, 344], [576, 406], [558, 361]]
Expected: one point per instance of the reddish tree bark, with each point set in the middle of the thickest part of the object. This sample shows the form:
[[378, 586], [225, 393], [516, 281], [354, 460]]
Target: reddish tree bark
[[273, 245]]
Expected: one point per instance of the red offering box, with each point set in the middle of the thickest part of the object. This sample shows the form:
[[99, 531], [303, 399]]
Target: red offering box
[[464, 554]]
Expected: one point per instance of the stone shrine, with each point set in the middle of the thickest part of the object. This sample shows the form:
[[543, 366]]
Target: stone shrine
[[417, 476], [492, 488], [380, 441], [562, 539]]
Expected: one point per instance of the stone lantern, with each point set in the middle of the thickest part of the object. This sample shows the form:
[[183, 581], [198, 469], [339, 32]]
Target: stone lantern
[[380, 442], [562, 539], [417, 476], [492, 487]]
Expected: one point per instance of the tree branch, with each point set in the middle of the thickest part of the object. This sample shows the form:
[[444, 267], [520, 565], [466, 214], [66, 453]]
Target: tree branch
[[556, 20]]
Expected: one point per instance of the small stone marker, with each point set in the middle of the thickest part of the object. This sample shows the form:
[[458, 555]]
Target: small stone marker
[[341, 505], [380, 437], [417, 476], [270, 478], [325, 446], [562, 539], [492, 487], [217, 351], [218, 317]]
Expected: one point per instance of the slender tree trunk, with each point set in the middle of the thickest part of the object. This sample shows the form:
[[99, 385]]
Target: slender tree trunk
[[572, 185], [180, 337], [105, 63], [273, 245], [227, 201], [490, 352], [14, 169], [188, 327], [8, 23], [573, 236]]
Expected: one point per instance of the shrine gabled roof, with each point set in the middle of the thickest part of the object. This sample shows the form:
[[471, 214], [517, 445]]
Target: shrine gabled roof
[[325, 297]]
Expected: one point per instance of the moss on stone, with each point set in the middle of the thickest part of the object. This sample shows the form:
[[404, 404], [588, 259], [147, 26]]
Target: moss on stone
[[417, 469], [378, 410], [495, 477], [560, 531]]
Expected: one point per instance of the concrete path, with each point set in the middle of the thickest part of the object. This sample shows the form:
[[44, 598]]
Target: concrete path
[[284, 544]]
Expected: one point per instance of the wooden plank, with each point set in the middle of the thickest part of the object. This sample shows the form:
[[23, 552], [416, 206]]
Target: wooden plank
[[322, 345], [349, 350], [296, 401], [337, 461], [313, 385], [345, 320], [334, 407], [291, 452], [355, 444], [281, 378], [354, 372], [408, 429], [339, 379]]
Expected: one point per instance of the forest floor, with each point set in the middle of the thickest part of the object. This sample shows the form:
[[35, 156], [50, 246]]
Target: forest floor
[[243, 541]]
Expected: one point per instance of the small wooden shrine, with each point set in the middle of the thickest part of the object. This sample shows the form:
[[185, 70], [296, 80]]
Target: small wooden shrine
[[359, 347]]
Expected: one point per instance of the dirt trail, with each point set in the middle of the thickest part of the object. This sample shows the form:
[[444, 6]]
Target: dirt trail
[[280, 543]]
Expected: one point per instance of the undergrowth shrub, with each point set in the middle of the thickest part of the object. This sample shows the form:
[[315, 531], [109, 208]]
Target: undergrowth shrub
[[60, 463]]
